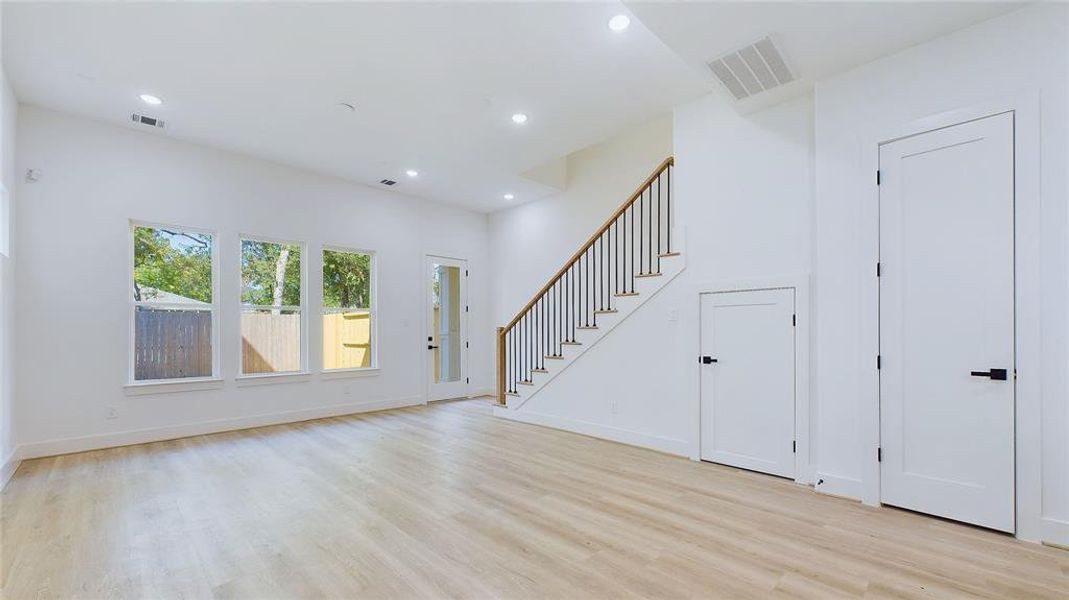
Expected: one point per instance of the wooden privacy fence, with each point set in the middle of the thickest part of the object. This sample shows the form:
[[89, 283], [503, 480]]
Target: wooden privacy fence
[[270, 342], [176, 343], [347, 340], [172, 343]]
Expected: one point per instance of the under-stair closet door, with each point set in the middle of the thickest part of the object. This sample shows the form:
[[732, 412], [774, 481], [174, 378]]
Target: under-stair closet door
[[747, 367]]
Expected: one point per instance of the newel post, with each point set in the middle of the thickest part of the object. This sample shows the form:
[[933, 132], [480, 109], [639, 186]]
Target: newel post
[[501, 366]]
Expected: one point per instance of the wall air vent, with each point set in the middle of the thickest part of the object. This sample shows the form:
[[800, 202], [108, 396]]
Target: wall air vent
[[752, 70], [146, 120], [388, 182]]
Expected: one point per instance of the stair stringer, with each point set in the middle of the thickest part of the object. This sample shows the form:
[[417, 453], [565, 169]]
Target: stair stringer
[[647, 288]]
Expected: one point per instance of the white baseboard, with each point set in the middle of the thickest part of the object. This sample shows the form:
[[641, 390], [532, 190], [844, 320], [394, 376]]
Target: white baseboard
[[1056, 532], [624, 436], [10, 465], [837, 485], [157, 434]]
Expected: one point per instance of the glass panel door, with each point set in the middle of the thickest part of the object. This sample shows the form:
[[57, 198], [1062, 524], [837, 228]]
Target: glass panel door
[[447, 331]]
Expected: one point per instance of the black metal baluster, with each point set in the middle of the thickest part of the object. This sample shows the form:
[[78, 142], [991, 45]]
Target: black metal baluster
[[669, 182], [658, 222], [649, 242]]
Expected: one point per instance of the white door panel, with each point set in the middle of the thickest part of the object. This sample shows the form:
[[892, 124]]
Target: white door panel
[[946, 310], [747, 395]]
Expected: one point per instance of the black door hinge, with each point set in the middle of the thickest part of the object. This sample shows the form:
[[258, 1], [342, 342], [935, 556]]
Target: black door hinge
[[466, 308], [794, 320], [878, 362], [794, 446], [879, 454], [467, 380], [465, 272], [877, 177], [878, 269], [467, 344]]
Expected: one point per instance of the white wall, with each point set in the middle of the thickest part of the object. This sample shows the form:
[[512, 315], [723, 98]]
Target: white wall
[[530, 242], [74, 266], [8, 117], [1022, 53]]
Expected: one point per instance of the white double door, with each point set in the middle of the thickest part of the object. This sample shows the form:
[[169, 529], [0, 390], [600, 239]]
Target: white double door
[[747, 365], [947, 322]]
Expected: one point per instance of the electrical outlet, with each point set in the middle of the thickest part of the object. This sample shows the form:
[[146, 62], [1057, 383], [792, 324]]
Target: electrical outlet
[[673, 315], [111, 412]]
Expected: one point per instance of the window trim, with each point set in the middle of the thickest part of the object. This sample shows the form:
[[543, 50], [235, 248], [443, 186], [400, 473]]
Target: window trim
[[303, 368], [150, 384], [373, 300]]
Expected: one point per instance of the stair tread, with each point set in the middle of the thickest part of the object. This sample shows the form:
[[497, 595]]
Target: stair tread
[[550, 356], [572, 343], [539, 371], [648, 275], [512, 394], [667, 254], [525, 382], [587, 327], [606, 311], [623, 294]]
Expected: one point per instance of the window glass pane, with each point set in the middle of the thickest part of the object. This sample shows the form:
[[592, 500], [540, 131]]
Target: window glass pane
[[172, 343], [346, 279], [270, 340], [173, 266], [445, 331], [270, 273], [347, 318], [346, 339]]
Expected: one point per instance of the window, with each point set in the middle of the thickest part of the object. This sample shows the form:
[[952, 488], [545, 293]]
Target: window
[[174, 310], [348, 310], [272, 324]]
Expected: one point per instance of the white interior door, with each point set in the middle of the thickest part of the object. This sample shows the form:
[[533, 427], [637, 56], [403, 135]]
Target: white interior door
[[447, 338], [747, 380], [946, 322]]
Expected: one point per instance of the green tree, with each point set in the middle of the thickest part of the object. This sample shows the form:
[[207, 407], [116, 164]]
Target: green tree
[[270, 273], [170, 261], [346, 279]]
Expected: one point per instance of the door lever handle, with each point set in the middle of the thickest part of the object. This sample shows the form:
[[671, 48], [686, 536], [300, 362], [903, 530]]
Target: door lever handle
[[430, 347], [995, 374], [707, 360]]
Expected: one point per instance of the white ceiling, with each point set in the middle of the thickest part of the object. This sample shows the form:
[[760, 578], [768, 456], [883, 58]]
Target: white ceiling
[[434, 84], [818, 39]]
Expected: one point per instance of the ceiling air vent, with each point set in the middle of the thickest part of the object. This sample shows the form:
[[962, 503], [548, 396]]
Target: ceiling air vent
[[752, 70], [388, 182], [146, 120]]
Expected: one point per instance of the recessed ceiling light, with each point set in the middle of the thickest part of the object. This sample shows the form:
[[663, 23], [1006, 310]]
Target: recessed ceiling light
[[150, 99], [411, 172], [519, 118], [619, 22], [509, 196]]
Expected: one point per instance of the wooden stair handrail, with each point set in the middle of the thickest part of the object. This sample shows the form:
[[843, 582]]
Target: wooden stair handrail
[[590, 242]]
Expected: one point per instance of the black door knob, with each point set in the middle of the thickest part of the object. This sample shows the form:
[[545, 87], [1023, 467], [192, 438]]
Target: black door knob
[[707, 360]]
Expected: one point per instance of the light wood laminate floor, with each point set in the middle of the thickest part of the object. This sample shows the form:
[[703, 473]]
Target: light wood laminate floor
[[446, 501]]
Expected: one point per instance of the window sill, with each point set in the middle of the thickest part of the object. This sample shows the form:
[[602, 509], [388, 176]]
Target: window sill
[[269, 378], [346, 373], [142, 388]]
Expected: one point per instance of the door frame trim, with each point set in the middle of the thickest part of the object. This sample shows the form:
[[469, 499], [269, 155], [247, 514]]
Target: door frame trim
[[804, 460], [465, 365], [1027, 293]]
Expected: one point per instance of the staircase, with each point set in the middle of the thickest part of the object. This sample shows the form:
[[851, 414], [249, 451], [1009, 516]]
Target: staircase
[[621, 266]]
